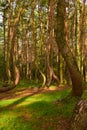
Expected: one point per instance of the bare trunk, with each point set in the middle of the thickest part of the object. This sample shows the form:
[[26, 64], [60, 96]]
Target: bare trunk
[[44, 79]]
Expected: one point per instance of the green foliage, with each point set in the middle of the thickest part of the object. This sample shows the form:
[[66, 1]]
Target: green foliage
[[2, 69], [2, 64], [28, 84], [85, 85]]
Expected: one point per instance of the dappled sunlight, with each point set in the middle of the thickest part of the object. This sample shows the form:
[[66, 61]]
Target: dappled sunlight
[[37, 111], [38, 114], [36, 96]]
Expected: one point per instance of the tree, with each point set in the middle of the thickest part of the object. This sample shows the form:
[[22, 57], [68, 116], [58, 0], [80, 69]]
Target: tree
[[12, 70], [70, 60], [50, 43]]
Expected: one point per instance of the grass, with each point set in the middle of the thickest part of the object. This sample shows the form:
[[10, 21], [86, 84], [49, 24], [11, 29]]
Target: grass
[[36, 112]]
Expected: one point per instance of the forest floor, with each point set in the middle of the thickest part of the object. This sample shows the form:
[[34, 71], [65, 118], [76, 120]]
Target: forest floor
[[22, 92], [36, 109]]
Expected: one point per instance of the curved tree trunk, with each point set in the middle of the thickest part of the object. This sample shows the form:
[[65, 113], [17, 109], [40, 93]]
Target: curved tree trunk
[[52, 75], [17, 77], [44, 79], [56, 78], [70, 60]]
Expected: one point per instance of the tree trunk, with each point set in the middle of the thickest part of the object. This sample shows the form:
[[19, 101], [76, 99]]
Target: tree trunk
[[50, 42], [7, 88], [13, 73], [82, 37], [79, 119], [65, 50]]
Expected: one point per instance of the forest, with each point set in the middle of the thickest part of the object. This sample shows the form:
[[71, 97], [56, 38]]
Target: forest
[[43, 64]]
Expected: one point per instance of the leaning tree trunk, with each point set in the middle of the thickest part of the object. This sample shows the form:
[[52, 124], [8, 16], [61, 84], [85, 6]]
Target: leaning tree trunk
[[7, 88], [79, 118], [65, 50]]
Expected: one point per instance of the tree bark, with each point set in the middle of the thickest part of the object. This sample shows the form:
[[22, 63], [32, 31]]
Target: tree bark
[[79, 118]]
